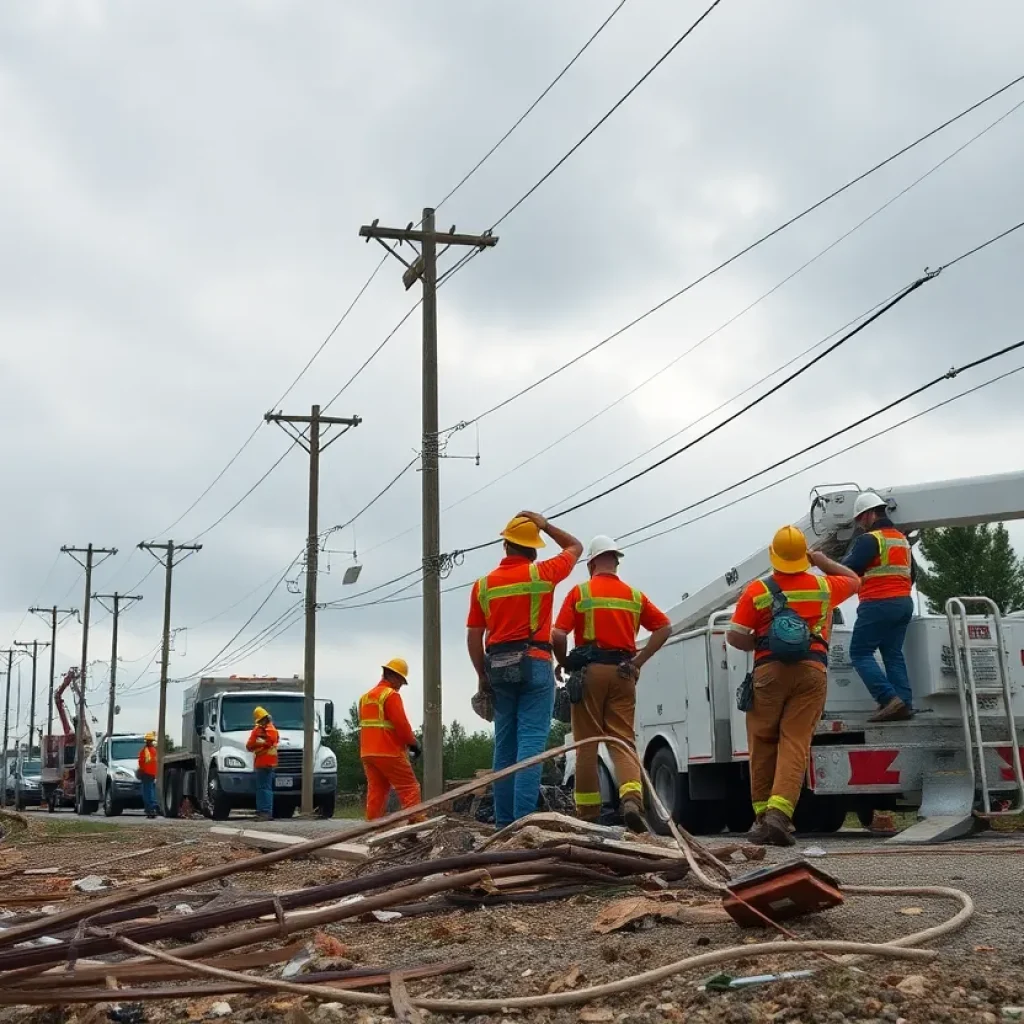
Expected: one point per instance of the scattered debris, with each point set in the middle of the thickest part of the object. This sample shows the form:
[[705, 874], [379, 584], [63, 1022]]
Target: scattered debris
[[644, 911], [914, 985], [724, 982], [911, 911], [219, 1010], [815, 851], [93, 883]]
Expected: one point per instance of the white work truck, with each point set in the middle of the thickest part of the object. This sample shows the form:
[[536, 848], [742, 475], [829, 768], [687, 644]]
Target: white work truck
[[109, 780], [959, 756], [217, 774]]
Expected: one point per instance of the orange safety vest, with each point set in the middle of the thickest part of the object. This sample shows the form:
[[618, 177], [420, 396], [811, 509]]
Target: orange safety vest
[[521, 603], [377, 734], [809, 596], [147, 761], [266, 752], [888, 573]]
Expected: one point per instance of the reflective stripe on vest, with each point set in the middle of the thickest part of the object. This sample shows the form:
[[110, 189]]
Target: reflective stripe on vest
[[374, 706], [887, 546], [820, 596], [535, 587], [588, 604]]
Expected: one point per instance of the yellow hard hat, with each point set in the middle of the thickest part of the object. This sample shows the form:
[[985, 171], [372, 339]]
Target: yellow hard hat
[[399, 666], [150, 736], [788, 552], [260, 713], [523, 532]]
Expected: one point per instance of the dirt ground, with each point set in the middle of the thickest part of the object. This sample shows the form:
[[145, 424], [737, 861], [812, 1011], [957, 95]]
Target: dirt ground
[[531, 949]]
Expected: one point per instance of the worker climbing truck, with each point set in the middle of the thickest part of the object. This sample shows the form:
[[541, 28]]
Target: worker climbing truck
[[957, 760], [215, 773]]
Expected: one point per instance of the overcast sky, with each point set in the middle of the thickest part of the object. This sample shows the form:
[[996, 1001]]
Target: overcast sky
[[181, 189]]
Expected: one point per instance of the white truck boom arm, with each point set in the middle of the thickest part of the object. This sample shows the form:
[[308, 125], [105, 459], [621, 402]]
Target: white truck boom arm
[[970, 500]]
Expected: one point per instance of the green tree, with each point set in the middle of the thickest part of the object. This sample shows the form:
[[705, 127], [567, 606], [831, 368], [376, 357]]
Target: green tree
[[966, 560], [344, 741]]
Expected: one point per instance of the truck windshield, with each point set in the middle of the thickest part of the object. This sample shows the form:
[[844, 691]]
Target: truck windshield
[[236, 712], [31, 767], [126, 750]]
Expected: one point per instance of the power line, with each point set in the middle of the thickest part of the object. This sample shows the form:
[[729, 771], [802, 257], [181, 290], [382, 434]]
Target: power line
[[622, 99], [530, 109], [380, 494], [732, 259]]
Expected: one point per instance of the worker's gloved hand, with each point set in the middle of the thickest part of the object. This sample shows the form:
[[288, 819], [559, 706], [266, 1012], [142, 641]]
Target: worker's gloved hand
[[414, 752]]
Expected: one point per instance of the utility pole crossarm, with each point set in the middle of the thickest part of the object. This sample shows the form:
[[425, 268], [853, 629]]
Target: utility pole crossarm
[[409, 234]]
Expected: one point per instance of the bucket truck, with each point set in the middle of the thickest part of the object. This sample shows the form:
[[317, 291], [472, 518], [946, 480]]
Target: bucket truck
[[958, 758], [58, 773]]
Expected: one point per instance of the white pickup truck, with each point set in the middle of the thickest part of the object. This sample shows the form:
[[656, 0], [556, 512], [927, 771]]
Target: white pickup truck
[[109, 780]]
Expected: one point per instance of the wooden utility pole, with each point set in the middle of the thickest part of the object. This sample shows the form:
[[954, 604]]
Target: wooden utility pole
[[51, 614], [169, 549], [7, 717], [34, 645], [424, 268], [313, 442], [116, 612], [88, 565]]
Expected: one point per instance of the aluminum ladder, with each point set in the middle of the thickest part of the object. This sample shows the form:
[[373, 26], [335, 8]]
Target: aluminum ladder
[[967, 688]]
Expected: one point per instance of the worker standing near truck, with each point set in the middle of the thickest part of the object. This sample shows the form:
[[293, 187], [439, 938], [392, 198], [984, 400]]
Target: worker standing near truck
[[785, 619], [605, 614], [881, 557], [386, 741], [147, 774], [263, 741], [509, 640]]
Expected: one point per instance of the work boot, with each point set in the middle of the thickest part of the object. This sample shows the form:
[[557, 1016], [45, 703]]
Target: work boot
[[894, 711], [758, 834], [633, 816], [778, 827]]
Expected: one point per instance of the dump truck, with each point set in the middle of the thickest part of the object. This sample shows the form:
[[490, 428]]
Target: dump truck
[[215, 773], [957, 759]]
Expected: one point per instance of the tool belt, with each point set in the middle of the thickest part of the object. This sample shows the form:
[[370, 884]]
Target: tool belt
[[815, 653], [580, 658], [504, 662]]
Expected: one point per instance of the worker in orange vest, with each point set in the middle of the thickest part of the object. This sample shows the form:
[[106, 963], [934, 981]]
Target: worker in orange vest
[[605, 615], [147, 774], [785, 619], [386, 741], [881, 557], [263, 741], [509, 640]]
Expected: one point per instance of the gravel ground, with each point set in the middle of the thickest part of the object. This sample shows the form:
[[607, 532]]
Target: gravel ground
[[524, 950]]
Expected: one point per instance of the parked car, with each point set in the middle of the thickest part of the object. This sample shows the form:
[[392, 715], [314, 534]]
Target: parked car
[[23, 786]]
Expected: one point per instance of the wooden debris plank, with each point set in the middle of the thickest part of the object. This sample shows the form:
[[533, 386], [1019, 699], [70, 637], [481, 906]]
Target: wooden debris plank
[[404, 830], [262, 840]]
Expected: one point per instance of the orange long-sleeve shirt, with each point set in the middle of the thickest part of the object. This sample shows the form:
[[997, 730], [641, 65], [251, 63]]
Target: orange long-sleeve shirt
[[263, 742], [384, 729], [147, 761]]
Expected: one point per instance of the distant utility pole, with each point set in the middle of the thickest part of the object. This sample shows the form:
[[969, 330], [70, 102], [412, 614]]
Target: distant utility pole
[[116, 612], [169, 549], [7, 718], [88, 565], [425, 268], [34, 645], [314, 444], [51, 614]]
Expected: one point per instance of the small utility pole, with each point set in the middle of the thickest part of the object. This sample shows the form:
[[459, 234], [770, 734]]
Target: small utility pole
[[169, 549], [116, 612], [50, 614], [34, 645], [7, 718], [90, 552], [314, 444], [425, 268]]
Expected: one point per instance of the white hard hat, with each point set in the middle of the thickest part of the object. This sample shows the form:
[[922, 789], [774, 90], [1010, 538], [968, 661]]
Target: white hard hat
[[866, 502], [602, 545]]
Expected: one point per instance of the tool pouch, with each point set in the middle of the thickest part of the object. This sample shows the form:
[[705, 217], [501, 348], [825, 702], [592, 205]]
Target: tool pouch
[[745, 693], [562, 711], [574, 685], [505, 663]]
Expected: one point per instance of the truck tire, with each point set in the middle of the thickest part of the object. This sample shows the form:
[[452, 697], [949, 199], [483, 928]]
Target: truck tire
[[172, 793], [218, 804], [285, 809], [111, 808], [323, 805], [82, 806], [673, 791]]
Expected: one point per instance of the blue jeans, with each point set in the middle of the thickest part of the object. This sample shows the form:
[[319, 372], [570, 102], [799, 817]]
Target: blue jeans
[[149, 794], [265, 791], [522, 722], [882, 626]]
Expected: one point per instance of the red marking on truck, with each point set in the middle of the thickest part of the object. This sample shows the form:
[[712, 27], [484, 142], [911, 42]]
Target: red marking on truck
[[873, 768], [700, 757], [1006, 770], [978, 631]]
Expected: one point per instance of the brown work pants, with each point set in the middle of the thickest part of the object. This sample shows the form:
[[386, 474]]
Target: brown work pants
[[607, 709], [788, 701]]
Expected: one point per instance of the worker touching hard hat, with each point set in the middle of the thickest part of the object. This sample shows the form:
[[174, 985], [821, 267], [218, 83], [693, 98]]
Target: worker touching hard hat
[[881, 558], [386, 742], [508, 633], [263, 741]]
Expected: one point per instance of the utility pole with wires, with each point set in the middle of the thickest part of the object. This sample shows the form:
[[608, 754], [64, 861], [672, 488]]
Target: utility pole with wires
[[50, 614], [10, 652], [424, 268], [90, 551], [34, 645], [166, 559], [314, 443], [115, 611]]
